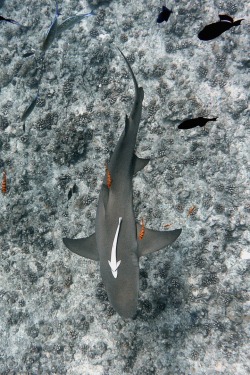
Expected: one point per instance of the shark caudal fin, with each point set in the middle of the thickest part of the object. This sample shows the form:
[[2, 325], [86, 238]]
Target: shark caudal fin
[[85, 247], [154, 240], [131, 71], [135, 114]]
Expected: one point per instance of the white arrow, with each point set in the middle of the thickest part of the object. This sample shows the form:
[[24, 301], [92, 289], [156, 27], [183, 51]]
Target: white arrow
[[112, 263]]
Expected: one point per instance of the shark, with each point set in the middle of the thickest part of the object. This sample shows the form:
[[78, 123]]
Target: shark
[[119, 241]]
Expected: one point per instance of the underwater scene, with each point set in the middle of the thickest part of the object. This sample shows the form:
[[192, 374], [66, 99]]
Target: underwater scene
[[124, 167]]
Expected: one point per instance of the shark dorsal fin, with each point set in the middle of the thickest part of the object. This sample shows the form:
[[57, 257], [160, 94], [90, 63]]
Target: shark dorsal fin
[[154, 240]]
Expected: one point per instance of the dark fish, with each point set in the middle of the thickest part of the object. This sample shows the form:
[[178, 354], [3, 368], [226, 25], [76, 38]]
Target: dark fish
[[192, 123], [71, 191], [29, 109], [71, 21], [51, 33], [214, 30], [9, 20], [164, 15], [28, 54]]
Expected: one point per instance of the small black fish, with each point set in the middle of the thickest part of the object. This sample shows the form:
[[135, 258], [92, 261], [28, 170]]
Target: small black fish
[[9, 20], [214, 30], [164, 15], [192, 123], [28, 54], [71, 191]]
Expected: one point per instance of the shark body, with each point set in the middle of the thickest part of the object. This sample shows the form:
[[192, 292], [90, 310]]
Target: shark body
[[115, 243]]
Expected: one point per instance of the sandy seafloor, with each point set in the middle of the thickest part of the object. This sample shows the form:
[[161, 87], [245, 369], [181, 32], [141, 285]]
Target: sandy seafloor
[[193, 310]]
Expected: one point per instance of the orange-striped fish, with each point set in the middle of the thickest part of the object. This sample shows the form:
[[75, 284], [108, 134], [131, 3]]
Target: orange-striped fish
[[167, 225], [109, 178], [142, 231], [192, 210], [4, 183]]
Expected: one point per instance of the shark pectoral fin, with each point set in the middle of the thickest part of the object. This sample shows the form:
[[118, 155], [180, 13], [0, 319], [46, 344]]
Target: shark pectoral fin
[[139, 163], [154, 240], [85, 247]]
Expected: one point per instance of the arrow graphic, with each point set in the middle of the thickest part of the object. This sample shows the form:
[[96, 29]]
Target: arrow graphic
[[112, 263]]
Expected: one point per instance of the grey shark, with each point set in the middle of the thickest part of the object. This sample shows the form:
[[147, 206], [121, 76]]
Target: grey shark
[[118, 241]]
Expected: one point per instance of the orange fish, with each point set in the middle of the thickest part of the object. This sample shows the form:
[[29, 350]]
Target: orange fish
[[167, 226], [109, 178], [192, 210], [4, 183], [142, 231]]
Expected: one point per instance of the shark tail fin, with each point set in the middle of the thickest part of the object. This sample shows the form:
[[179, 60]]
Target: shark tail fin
[[130, 69], [154, 240], [85, 247]]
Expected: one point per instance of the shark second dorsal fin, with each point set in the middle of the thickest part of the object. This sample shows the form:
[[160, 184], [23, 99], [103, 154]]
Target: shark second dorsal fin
[[139, 163], [85, 247], [154, 240]]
